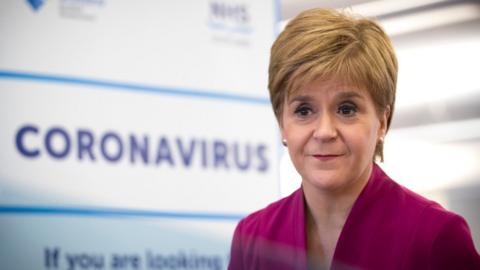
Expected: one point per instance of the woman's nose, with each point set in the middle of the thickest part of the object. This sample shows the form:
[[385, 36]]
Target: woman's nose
[[325, 128]]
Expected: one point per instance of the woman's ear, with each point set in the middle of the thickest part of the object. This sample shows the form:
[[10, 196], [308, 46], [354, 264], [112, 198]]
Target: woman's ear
[[282, 134], [384, 122]]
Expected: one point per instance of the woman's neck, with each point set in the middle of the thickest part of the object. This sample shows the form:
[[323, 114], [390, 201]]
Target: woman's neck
[[330, 207], [326, 214]]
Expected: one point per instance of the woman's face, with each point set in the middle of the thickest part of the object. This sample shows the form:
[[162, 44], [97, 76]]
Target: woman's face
[[331, 130]]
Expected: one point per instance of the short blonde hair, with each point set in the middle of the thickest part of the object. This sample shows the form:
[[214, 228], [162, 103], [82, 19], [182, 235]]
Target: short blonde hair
[[325, 43]]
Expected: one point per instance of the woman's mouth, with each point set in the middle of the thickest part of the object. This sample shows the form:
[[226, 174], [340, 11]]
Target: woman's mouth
[[326, 157]]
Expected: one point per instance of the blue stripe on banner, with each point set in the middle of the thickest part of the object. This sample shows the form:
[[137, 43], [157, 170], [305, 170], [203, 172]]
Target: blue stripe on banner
[[113, 212], [132, 87]]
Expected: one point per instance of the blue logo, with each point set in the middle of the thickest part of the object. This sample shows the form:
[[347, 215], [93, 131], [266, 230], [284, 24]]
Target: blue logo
[[36, 4], [228, 17]]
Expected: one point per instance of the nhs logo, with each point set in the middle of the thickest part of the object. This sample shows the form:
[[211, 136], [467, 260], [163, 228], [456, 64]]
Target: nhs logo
[[229, 17], [36, 4]]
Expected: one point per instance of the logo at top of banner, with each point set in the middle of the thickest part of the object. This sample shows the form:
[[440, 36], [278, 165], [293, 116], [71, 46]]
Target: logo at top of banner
[[230, 23], [230, 17], [36, 4], [85, 10]]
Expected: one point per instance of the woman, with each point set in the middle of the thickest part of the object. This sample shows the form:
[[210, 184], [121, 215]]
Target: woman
[[332, 82]]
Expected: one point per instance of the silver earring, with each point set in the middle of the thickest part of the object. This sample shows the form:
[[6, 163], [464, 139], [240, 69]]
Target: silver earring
[[284, 142]]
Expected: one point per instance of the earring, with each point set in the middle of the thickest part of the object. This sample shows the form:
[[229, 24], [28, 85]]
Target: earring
[[284, 142]]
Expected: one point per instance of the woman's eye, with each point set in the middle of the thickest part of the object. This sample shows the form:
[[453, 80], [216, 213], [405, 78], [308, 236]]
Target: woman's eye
[[303, 111], [347, 109]]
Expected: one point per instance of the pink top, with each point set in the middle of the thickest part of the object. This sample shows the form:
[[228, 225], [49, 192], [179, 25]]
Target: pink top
[[389, 227]]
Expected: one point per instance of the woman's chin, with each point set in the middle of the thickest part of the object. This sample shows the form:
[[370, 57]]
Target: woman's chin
[[324, 182]]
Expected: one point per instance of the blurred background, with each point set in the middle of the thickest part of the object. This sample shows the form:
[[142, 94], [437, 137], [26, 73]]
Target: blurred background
[[136, 136]]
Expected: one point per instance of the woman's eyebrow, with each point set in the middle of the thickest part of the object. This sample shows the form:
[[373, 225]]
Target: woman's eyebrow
[[300, 98], [348, 95]]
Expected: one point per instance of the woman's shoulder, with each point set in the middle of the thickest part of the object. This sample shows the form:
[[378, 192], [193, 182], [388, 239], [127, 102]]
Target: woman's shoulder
[[431, 219], [272, 237], [409, 203], [420, 232], [279, 212], [445, 238], [434, 235]]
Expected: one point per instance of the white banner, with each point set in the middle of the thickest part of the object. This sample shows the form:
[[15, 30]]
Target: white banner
[[134, 135]]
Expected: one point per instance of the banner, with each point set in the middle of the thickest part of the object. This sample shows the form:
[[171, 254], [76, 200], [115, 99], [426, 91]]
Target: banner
[[134, 135]]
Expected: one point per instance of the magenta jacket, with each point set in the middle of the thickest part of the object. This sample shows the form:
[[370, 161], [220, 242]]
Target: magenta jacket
[[389, 227]]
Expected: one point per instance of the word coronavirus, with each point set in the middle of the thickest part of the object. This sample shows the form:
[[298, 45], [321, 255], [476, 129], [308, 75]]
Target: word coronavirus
[[85, 145]]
